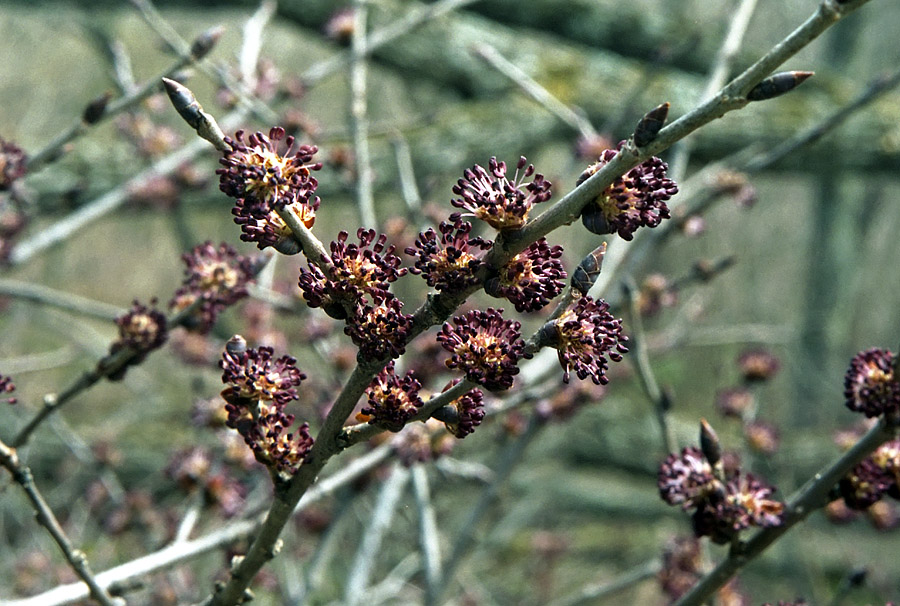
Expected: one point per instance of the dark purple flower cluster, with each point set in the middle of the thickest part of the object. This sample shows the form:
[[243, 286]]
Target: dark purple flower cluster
[[448, 262], [490, 196], [484, 346], [392, 400], [7, 386], [216, 275], [638, 198], [469, 412], [758, 365], [12, 163], [262, 180], [532, 278], [141, 329], [585, 335], [874, 477], [381, 331], [871, 385], [258, 389], [724, 501], [359, 274]]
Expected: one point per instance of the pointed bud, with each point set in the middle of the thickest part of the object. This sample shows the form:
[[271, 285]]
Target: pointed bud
[[205, 42], [777, 85], [650, 125], [191, 111], [709, 443], [236, 345], [96, 108], [587, 271]]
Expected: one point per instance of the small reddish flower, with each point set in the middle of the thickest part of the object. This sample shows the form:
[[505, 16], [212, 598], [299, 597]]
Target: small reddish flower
[[532, 278], [255, 171], [762, 437], [253, 374], [469, 411], [681, 566], [585, 335], [656, 293], [142, 329], [484, 346], [258, 388], [865, 484], [261, 223], [381, 331], [448, 262], [734, 402], [638, 198], [871, 385], [392, 400], [12, 163], [7, 386], [360, 274], [493, 198], [758, 365], [686, 479], [218, 276]]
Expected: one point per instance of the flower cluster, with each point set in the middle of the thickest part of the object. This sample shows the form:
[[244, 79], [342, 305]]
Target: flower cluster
[[874, 477], [531, 279], [218, 276], [468, 412], [484, 346], [585, 335], [258, 389], [380, 331], [638, 198], [12, 222], [681, 566], [263, 181], [12, 163], [724, 501], [360, 273], [871, 385], [449, 261], [392, 400], [142, 329], [490, 196], [7, 386], [758, 365]]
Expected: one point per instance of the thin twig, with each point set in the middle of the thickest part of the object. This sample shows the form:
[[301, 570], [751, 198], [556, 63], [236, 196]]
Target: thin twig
[[378, 524], [59, 299], [76, 558], [197, 50], [107, 366], [429, 539], [465, 537], [574, 119], [681, 153], [359, 120], [589, 594], [398, 27], [407, 177], [175, 554], [641, 361]]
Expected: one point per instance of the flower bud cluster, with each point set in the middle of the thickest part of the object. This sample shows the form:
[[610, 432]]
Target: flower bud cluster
[[258, 389], [141, 329], [218, 276], [7, 386], [871, 385], [725, 500], [262, 181]]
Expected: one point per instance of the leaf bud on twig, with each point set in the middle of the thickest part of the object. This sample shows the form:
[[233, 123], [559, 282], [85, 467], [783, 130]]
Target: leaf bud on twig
[[650, 125], [777, 85]]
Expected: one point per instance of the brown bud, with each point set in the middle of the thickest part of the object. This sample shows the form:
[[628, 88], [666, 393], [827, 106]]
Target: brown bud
[[236, 345], [777, 85], [96, 108], [650, 125], [709, 443], [587, 271], [206, 41]]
